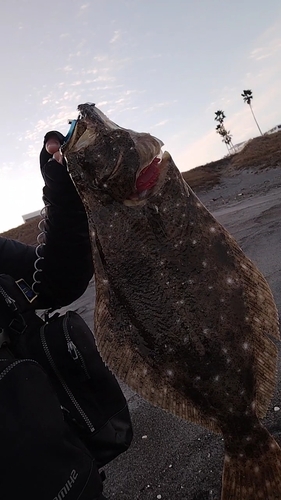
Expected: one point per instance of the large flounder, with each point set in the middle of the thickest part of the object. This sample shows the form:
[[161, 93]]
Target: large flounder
[[181, 315]]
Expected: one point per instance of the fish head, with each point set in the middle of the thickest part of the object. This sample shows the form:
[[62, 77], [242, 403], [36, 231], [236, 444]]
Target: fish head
[[126, 165]]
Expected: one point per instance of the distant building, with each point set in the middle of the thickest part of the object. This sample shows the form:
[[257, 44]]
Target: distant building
[[31, 215], [237, 147], [277, 128]]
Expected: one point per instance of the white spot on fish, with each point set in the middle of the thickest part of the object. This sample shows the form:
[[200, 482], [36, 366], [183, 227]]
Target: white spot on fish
[[197, 378], [190, 282], [206, 331], [256, 469], [144, 371], [224, 350], [229, 280], [105, 281], [245, 346], [210, 287], [216, 378], [198, 204], [186, 339], [194, 242], [104, 185], [170, 373], [93, 233], [204, 263], [248, 438], [212, 229]]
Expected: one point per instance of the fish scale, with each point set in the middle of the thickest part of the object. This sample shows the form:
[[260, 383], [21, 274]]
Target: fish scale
[[181, 314]]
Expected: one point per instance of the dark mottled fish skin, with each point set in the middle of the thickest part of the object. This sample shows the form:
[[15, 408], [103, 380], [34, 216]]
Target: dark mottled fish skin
[[182, 315]]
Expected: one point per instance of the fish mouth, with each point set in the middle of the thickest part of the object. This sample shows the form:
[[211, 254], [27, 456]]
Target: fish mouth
[[92, 125]]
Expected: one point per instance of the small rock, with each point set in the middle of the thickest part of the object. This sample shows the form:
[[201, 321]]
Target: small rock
[[144, 437], [276, 408]]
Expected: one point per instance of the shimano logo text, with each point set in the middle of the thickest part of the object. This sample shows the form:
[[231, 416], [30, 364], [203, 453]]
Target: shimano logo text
[[68, 485]]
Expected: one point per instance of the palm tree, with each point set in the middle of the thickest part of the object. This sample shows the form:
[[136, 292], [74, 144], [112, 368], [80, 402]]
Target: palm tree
[[221, 130], [247, 97], [220, 116]]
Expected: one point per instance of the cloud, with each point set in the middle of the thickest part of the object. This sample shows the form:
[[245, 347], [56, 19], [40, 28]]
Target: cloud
[[269, 43], [160, 124], [116, 37], [84, 6], [158, 105]]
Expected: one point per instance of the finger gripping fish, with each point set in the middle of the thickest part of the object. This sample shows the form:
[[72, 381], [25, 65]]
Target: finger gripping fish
[[181, 314]]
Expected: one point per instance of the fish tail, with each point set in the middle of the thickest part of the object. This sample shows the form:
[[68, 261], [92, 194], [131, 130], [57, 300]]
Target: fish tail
[[255, 475]]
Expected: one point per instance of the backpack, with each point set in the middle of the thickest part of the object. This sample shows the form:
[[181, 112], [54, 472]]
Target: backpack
[[76, 397], [40, 456]]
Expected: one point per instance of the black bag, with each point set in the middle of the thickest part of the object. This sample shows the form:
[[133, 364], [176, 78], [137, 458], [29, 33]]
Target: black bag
[[89, 394], [40, 456], [90, 397]]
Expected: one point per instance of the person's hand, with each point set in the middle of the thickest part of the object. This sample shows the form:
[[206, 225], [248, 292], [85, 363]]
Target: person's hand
[[52, 146], [58, 156]]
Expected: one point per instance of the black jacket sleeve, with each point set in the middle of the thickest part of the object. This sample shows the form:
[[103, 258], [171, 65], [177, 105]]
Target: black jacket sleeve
[[60, 268], [65, 260]]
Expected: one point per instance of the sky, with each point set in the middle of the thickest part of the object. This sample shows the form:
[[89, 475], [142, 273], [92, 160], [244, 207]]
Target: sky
[[156, 66]]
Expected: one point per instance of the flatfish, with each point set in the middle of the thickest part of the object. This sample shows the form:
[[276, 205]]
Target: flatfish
[[181, 315]]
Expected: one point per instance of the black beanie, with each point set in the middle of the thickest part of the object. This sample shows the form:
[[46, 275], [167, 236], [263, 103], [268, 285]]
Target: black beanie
[[44, 155]]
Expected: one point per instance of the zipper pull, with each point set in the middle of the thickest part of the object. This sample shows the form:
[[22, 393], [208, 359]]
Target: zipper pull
[[9, 301], [71, 347]]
